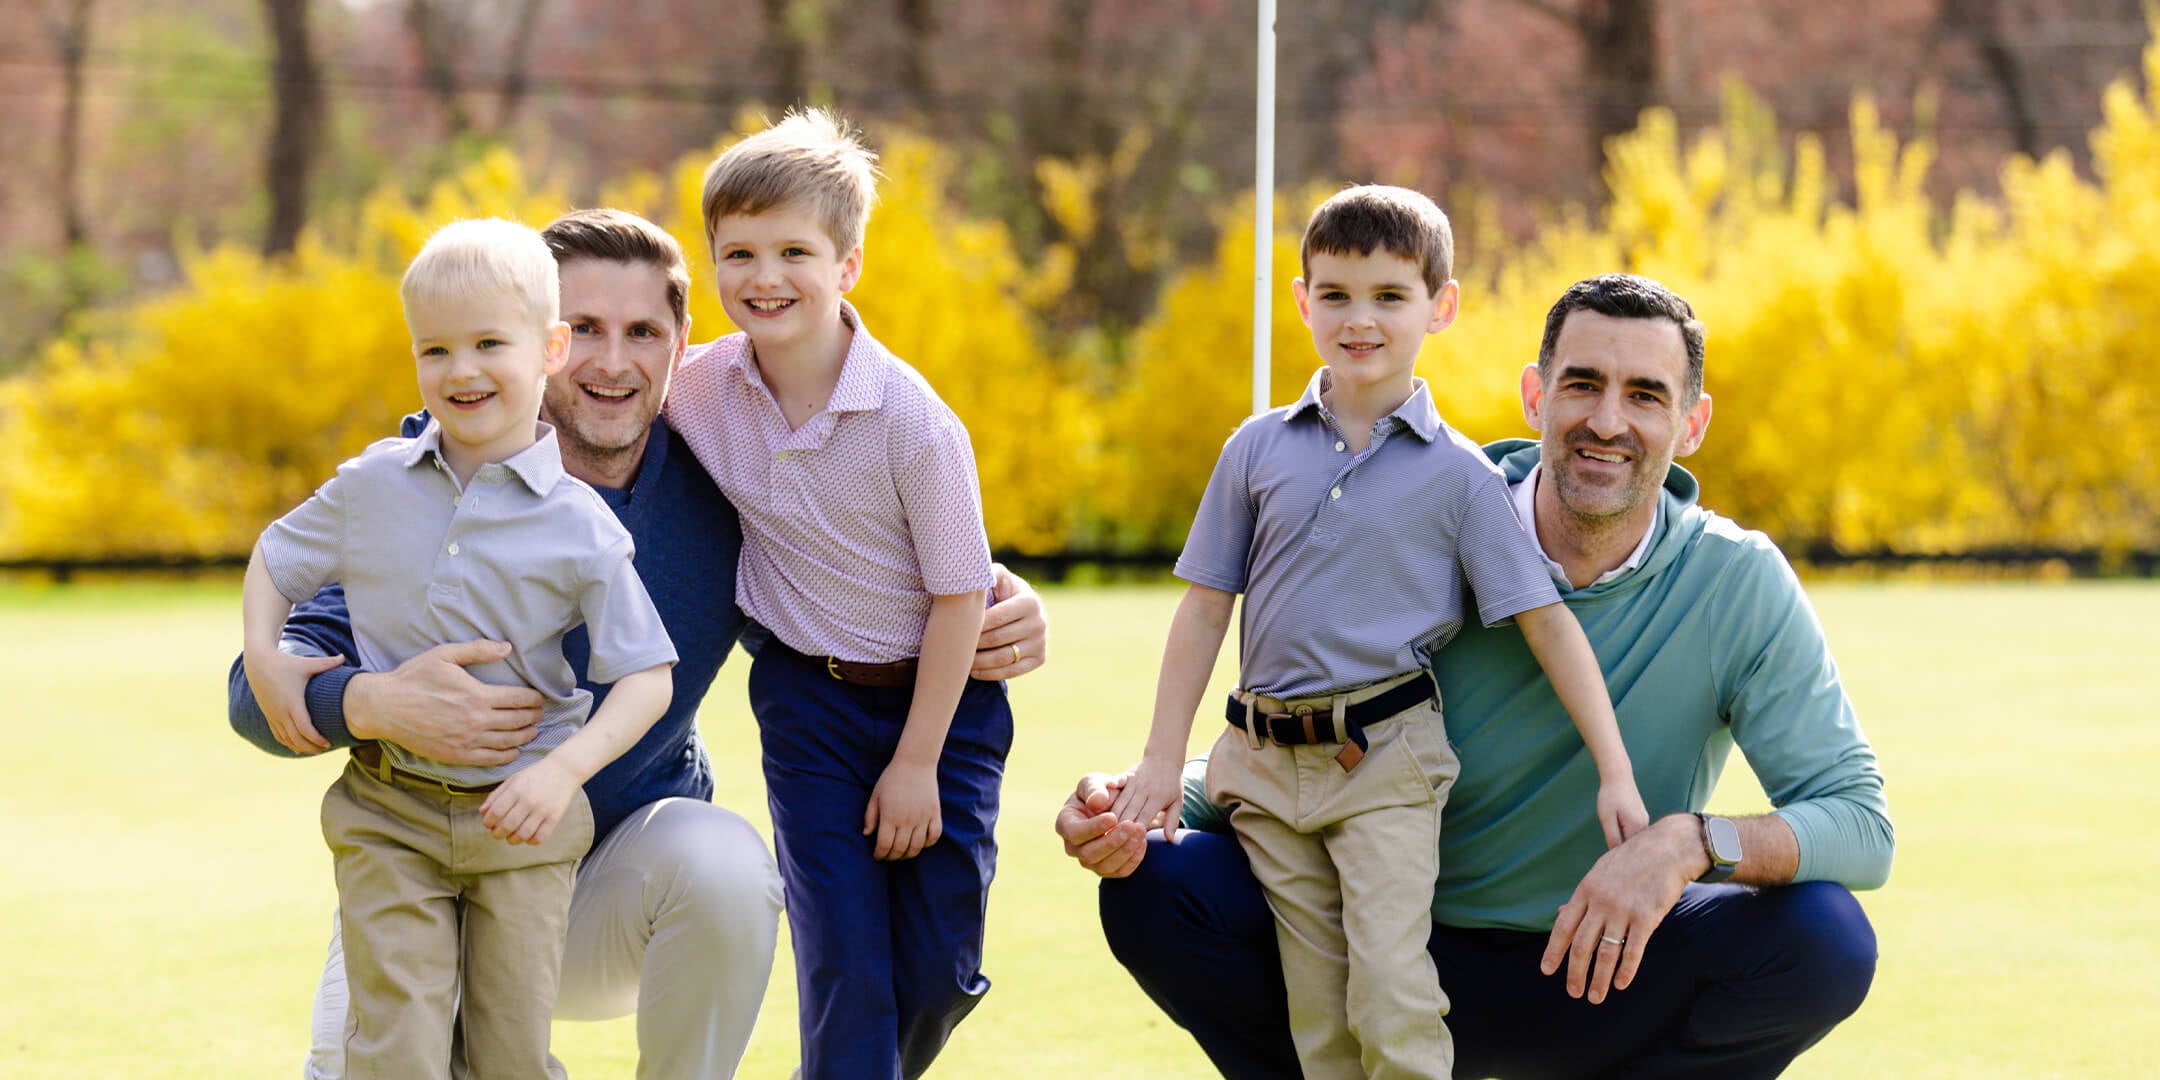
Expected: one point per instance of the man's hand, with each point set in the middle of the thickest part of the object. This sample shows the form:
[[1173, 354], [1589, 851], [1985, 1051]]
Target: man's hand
[[433, 707], [528, 806], [1015, 633], [903, 813], [279, 682], [1622, 900], [1093, 835]]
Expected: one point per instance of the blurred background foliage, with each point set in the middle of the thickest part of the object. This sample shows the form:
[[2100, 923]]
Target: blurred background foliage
[[1929, 309]]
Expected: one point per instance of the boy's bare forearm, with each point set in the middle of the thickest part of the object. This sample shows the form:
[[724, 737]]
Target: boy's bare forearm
[[263, 609], [1196, 637], [632, 705], [941, 673], [1557, 641]]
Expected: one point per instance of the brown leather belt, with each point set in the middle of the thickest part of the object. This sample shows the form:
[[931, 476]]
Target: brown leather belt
[[370, 757], [897, 673]]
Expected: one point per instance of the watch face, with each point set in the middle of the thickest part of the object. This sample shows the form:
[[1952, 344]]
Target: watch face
[[1724, 839]]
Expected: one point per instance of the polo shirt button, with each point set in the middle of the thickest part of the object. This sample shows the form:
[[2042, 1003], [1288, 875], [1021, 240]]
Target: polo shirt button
[[453, 547], [1338, 444], [1335, 494]]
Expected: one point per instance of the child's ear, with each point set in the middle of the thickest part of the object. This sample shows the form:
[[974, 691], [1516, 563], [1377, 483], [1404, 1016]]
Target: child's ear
[[1303, 293], [1447, 303], [851, 269], [556, 351]]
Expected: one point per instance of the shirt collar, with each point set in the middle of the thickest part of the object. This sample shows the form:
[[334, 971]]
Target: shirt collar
[[1525, 496], [1417, 412], [861, 386], [539, 465]]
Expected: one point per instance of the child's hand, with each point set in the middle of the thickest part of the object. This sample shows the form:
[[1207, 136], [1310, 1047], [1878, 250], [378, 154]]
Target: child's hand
[[1156, 789], [1620, 811], [903, 812], [279, 681], [528, 806]]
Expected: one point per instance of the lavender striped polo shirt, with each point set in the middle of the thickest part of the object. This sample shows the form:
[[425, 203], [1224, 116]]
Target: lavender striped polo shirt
[[850, 522], [1355, 566]]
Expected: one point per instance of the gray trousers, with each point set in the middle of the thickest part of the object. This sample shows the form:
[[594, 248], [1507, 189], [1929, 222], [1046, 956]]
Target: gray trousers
[[673, 917]]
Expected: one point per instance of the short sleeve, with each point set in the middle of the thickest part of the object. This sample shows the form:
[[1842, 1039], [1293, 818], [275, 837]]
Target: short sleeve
[[620, 620], [1218, 547], [305, 549], [943, 505], [1507, 575]]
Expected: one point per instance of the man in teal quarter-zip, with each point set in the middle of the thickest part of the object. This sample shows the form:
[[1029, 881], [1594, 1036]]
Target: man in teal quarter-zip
[[1700, 946]]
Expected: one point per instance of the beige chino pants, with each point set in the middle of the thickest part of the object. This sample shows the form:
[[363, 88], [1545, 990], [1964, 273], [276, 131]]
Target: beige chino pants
[[427, 899], [1349, 860]]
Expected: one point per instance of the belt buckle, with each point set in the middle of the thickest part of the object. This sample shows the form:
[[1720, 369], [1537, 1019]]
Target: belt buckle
[[832, 668]]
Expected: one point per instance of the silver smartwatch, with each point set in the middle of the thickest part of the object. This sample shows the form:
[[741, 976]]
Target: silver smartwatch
[[1721, 841]]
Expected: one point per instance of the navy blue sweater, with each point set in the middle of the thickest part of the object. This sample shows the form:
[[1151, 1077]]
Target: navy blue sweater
[[687, 539]]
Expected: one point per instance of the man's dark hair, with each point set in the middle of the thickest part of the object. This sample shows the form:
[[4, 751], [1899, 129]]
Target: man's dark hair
[[619, 236], [1359, 220], [1627, 296]]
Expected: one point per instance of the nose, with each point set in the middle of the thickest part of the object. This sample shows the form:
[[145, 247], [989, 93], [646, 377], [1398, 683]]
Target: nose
[[765, 272], [1607, 421], [612, 358]]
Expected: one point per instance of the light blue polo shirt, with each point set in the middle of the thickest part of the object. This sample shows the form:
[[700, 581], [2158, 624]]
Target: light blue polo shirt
[[1343, 557], [522, 554]]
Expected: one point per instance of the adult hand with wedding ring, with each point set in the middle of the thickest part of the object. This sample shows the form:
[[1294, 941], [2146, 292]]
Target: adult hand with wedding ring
[[1015, 633], [1604, 927]]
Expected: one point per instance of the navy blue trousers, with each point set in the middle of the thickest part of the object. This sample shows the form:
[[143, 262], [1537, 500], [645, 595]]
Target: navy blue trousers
[[1736, 982], [888, 955]]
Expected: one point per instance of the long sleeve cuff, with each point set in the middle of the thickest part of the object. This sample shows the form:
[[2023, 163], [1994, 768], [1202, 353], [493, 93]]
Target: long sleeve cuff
[[326, 705], [1841, 841]]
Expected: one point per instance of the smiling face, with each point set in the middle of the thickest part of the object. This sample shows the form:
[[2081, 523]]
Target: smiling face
[[781, 277], [1369, 315], [624, 345], [1613, 414], [481, 361]]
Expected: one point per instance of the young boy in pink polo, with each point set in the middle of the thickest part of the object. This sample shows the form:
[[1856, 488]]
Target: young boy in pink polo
[[864, 555]]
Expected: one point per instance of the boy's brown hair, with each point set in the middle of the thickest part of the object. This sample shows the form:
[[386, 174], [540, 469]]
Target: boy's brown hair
[[619, 236], [1361, 219], [811, 155]]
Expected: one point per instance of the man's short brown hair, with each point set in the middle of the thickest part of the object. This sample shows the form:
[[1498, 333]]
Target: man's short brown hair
[[1367, 217], [812, 156], [620, 236]]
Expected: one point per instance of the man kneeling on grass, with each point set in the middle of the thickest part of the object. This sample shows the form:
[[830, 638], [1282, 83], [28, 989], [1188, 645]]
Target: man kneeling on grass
[[1701, 946]]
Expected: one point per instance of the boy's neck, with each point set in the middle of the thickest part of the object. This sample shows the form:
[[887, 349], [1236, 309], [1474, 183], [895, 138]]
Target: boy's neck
[[1357, 408], [801, 376], [465, 459]]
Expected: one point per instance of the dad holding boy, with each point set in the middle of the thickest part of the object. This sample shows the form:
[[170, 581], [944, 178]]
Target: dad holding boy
[[1706, 641], [676, 909]]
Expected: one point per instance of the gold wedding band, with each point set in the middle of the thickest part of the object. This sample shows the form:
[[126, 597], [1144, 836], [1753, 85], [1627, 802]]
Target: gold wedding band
[[1611, 940], [1016, 653]]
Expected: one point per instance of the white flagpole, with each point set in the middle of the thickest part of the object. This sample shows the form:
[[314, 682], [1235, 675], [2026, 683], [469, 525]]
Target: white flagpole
[[1263, 205]]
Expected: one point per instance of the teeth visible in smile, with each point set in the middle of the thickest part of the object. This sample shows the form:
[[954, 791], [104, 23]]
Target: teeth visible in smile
[[1593, 455], [769, 305], [471, 396], [612, 393]]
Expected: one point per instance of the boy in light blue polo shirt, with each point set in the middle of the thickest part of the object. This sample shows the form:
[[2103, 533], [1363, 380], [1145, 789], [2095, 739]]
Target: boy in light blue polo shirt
[[1328, 515], [454, 881]]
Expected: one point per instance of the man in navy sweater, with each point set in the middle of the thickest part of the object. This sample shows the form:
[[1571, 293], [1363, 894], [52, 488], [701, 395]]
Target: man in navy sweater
[[677, 906]]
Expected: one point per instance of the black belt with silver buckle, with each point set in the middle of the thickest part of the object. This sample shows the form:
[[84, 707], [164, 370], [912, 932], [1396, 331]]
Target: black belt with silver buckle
[[1316, 723]]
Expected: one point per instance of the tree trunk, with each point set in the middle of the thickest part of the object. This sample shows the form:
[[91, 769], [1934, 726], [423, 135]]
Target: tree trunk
[[73, 39], [432, 38], [1620, 67], [918, 25], [296, 89], [1981, 21], [516, 80], [789, 52]]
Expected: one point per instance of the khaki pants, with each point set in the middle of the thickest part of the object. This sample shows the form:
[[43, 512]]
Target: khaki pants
[[443, 924], [1348, 860]]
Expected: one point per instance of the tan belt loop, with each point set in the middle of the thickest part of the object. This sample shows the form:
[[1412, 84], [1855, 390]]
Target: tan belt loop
[[1342, 705], [1252, 723]]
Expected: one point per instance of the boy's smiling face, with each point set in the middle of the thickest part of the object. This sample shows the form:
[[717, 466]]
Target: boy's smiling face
[[781, 276], [481, 361], [1369, 314]]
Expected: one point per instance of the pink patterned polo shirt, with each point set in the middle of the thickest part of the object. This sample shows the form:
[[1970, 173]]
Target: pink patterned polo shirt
[[852, 521]]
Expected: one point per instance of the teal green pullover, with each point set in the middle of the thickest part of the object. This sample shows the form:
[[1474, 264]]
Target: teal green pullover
[[1709, 643]]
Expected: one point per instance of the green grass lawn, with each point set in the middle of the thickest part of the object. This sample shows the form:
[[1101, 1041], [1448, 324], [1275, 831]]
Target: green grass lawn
[[166, 895]]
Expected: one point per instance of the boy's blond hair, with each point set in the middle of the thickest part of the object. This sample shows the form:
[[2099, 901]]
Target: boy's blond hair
[[1361, 219], [811, 156], [486, 257]]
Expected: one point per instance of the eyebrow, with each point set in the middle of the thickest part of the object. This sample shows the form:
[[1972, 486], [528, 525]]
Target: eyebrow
[[1385, 286], [1640, 382]]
